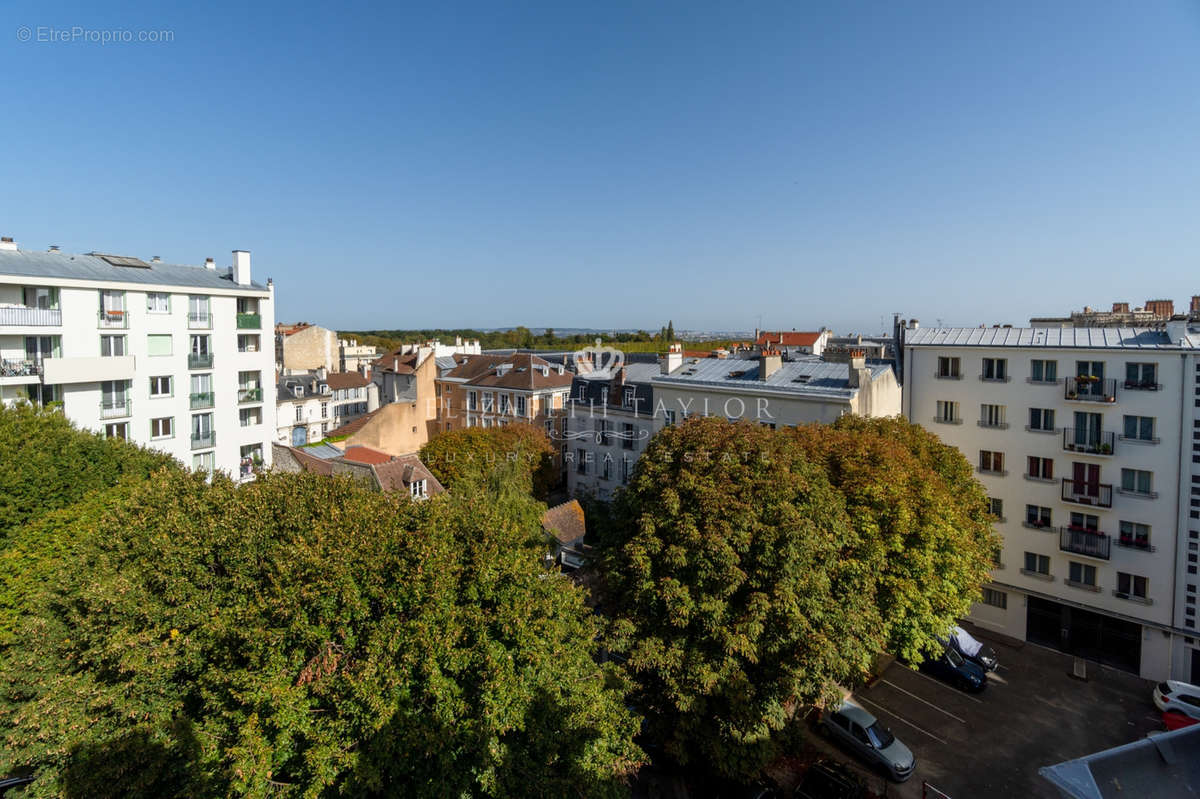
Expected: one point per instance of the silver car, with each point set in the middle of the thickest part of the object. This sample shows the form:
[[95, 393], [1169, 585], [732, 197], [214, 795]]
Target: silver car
[[857, 729]]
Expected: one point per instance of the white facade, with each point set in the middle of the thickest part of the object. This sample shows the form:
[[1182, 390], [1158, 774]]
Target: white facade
[[183, 366], [1095, 483]]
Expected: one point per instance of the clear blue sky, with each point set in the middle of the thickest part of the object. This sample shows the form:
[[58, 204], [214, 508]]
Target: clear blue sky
[[618, 164]]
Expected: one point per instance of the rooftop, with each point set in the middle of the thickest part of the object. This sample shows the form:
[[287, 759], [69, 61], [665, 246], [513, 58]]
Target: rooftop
[[802, 377], [36, 265], [1048, 337], [634, 373]]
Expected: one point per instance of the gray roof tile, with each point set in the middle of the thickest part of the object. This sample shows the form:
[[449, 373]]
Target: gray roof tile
[[34, 264]]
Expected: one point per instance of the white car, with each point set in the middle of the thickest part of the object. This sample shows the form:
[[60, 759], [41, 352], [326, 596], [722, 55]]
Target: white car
[[1181, 697]]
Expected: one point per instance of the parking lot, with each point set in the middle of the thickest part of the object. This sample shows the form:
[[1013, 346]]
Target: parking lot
[[1032, 714]]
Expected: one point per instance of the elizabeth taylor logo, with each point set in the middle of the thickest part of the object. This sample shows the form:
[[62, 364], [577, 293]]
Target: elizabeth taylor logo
[[598, 360]]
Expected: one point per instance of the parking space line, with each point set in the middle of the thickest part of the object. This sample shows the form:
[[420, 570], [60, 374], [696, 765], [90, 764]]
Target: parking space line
[[939, 682], [900, 719], [924, 702]]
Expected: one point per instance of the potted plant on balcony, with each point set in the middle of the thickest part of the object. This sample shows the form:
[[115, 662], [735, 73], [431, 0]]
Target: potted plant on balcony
[[1106, 449], [1126, 540]]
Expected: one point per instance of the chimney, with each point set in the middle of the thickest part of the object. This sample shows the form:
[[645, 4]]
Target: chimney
[[322, 373], [1163, 309], [672, 360], [768, 363], [1196, 303], [859, 375], [209, 263], [914, 324], [6, 243], [54, 248], [364, 369], [1120, 307], [241, 267], [154, 259], [1177, 329]]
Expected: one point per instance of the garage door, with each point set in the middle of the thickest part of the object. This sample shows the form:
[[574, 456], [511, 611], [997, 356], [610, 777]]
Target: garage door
[[1094, 636]]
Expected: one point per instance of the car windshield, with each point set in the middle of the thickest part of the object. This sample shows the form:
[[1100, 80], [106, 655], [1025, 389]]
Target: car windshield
[[881, 736], [954, 658]]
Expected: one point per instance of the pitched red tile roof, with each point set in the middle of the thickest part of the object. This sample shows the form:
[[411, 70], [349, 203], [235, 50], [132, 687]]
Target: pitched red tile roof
[[783, 339], [311, 463], [524, 371], [397, 363], [340, 380], [565, 522], [360, 454]]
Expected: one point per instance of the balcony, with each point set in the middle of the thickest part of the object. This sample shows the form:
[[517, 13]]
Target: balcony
[[1079, 541], [1097, 495], [1043, 527], [200, 360], [203, 440], [30, 317], [1086, 389], [249, 321], [1090, 442], [114, 319], [115, 408], [200, 399], [20, 368], [1142, 386], [199, 320], [250, 395]]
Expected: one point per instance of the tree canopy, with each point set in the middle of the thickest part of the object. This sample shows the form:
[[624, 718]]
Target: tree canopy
[[303, 636], [749, 570], [472, 454]]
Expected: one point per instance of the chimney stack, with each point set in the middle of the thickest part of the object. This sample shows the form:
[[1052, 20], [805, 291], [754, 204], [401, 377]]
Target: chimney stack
[[7, 243], [54, 248], [1163, 309], [241, 267], [154, 259], [768, 363], [859, 375], [672, 360], [1120, 307], [209, 263], [1196, 303]]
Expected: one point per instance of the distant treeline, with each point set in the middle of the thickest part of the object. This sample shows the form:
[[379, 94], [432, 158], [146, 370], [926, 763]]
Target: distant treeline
[[524, 338]]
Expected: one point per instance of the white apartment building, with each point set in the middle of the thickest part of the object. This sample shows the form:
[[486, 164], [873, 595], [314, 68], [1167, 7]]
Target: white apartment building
[[171, 357], [1087, 441], [310, 404]]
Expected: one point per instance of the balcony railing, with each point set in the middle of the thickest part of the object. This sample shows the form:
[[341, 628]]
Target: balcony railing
[[1084, 389], [1092, 543], [20, 368], [31, 317], [200, 361], [249, 321], [995, 378], [1081, 439], [112, 319], [199, 320], [1044, 527], [1132, 542], [203, 440], [250, 395], [115, 409], [201, 399], [947, 376], [943, 420], [1138, 385], [1084, 493]]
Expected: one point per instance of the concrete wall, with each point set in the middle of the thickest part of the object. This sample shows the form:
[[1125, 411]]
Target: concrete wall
[[311, 348]]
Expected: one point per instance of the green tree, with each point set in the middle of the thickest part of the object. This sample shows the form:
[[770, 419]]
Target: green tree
[[302, 636], [920, 519], [471, 454], [732, 602], [670, 331]]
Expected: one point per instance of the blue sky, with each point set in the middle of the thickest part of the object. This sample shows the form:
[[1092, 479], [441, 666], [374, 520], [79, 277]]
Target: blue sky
[[621, 164]]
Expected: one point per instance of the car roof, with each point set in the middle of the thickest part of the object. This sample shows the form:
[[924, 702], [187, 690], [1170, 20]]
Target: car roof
[[1185, 687], [855, 714]]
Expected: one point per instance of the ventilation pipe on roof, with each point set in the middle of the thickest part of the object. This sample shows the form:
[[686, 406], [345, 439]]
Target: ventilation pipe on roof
[[154, 259], [54, 248], [209, 263]]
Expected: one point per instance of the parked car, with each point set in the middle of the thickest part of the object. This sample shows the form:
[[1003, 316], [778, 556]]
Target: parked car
[[956, 670], [1174, 720], [1181, 697], [972, 649], [828, 779], [862, 733]]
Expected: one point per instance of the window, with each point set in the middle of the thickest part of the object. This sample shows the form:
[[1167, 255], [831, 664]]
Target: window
[[162, 428], [996, 507], [992, 462], [117, 430], [606, 468], [1131, 585], [158, 303], [324, 410], [200, 345], [249, 417], [991, 416], [1041, 419], [947, 411], [417, 489], [997, 599], [203, 462], [602, 432], [1134, 534], [114, 398], [1085, 521], [521, 405], [472, 401], [1139, 428], [1041, 468], [158, 344], [299, 413], [1037, 516], [1083, 574], [505, 406], [248, 342], [112, 346], [1041, 371], [487, 402], [628, 436], [626, 470], [112, 309], [202, 429], [161, 386], [995, 369], [669, 416], [1136, 481], [627, 397], [198, 315], [1037, 564], [949, 368], [1142, 376], [581, 465]]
